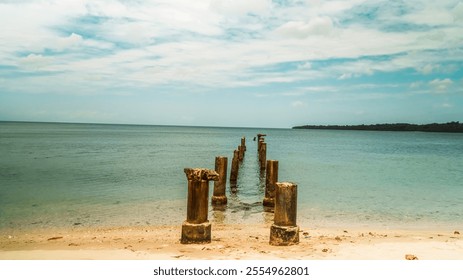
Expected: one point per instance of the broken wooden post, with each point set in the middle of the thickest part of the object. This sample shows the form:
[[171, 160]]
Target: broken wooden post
[[197, 228], [260, 139], [259, 153], [234, 168], [240, 153], [271, 178], [263, 155], [219, 197], [284, 230]]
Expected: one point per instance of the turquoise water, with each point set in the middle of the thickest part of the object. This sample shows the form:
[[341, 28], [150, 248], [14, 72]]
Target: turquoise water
[[71, 175]]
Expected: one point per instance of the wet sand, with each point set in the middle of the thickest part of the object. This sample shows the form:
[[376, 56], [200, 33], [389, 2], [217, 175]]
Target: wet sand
[[229, 242]]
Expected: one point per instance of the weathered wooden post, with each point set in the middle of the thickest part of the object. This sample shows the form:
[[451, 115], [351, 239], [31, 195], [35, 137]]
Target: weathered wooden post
[[259, 137], [271, 178], [234, 168], [240, 153], [263, 155], [243, 143], [284, 230], [197, 228], [218, 196]]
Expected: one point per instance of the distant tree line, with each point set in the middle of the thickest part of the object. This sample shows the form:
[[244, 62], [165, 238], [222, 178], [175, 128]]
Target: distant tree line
[[432, 127]]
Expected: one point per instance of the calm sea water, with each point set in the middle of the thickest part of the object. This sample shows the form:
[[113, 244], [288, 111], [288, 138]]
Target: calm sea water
[[72, 175]]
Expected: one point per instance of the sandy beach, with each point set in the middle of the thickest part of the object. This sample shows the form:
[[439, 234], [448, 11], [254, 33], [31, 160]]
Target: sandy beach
[[229, 242]]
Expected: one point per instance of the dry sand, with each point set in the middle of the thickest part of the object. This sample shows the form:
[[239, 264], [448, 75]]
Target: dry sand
[[229, 242]]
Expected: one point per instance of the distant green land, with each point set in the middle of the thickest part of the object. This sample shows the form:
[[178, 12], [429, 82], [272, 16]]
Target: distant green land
[[454, 127]]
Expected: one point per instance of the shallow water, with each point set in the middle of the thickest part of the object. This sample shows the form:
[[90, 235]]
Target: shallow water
[[67, 175]]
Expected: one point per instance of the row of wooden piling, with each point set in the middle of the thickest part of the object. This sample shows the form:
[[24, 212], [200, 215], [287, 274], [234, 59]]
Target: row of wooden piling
[[238, 156], [261, 150], [281, 197], [219, 196]]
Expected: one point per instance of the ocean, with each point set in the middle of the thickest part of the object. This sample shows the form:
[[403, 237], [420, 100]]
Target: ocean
[[60, 175]]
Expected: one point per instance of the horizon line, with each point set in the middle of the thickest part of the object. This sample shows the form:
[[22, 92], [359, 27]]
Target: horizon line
[[138, 124]]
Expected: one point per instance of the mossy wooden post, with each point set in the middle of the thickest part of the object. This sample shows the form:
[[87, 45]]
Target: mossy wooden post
[[234, 168], [263, 155], [219, 197], [197, 228], [271, 177], [284, 230]]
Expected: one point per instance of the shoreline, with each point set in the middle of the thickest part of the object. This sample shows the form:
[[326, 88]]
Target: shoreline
[[229, 242], [449, 127]]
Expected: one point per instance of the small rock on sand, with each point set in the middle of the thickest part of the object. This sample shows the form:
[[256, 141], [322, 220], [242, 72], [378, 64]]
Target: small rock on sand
[[411, 257]]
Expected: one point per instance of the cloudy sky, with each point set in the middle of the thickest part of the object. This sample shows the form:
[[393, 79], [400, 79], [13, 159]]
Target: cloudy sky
[[256, 63]]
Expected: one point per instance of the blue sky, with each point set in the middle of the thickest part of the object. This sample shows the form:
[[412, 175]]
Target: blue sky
[[257, 63]]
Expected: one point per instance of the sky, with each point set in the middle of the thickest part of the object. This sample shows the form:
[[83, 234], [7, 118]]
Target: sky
[[234, 63]]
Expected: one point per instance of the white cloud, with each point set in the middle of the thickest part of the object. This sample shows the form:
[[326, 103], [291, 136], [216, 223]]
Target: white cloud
[[345, 76], [34, 61], [298, 104], [431, 13], [458, 12], [240, 7], [332, 7], [27, 25], [427, 69], [322, 89], [74, 40], [299, 29], [204, 43], [441, 85], [108, 8], [305, 65]]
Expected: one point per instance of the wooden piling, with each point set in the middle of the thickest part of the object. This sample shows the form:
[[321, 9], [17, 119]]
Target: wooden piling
[[262, 155], [240, 153], [219, 197], [271, 177], [243, 143], [284, 230], [234, 168], [260, 140], [259, 143], [196, 228]]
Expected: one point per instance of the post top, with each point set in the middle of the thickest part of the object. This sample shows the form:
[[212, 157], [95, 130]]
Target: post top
[[198, 174], [286, 184], [260, 135]]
